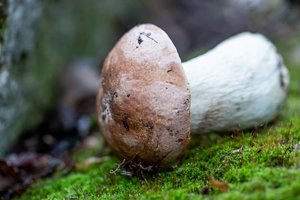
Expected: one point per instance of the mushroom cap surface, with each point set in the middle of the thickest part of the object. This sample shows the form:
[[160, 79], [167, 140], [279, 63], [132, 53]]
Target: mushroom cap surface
[[143, 101]]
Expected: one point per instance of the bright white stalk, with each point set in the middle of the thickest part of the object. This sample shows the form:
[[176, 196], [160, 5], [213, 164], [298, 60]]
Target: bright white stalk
[[241, 83]]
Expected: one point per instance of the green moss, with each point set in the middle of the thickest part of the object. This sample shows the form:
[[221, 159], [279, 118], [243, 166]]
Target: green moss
[[267, 167]]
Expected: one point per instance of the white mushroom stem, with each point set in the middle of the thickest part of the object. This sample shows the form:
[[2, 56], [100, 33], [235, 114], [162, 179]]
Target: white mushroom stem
[[241, 83]]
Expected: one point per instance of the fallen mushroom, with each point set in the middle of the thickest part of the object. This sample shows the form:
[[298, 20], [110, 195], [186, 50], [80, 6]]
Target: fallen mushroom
[[143, 101], [240, 84]]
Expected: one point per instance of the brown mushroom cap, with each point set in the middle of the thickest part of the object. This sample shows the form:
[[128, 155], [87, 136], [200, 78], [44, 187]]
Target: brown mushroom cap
[[143, 100]]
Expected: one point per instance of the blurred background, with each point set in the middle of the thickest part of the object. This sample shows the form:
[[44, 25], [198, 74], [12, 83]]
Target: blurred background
[[52, 52]]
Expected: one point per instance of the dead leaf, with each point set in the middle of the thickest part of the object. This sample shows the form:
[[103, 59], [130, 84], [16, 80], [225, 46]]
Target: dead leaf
[[18, 171], [223, 186]]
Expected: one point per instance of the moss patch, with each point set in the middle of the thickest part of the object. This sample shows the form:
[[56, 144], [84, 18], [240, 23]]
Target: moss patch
[[257, 164]]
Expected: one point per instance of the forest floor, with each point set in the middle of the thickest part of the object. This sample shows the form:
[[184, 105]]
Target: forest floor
[[258, 164]]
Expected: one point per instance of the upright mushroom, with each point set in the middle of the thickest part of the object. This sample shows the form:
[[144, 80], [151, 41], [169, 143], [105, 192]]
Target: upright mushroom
[[241, 83], [143, 101]]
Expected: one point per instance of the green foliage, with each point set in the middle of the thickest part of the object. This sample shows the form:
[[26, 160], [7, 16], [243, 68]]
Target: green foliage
[[266, 166]]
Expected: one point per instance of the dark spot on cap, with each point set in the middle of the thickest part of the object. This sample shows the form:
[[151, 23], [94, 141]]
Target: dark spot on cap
[[103, 116], [180, 140], [140, 40], [103, 113], [170, 131], [114, 95], [128, 95], [186, 102], [125, 123], [149, 125], [147, 35]]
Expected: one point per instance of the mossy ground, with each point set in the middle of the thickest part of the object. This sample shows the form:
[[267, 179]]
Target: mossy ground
[[268, 167]]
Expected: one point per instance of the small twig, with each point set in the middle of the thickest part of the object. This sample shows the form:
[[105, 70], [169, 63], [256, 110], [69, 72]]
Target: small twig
[[239, 150], [149, 168], [118, 167]]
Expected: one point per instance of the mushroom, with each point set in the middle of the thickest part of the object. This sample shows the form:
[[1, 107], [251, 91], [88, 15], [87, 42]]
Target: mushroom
[[240, 84], [143, 101]]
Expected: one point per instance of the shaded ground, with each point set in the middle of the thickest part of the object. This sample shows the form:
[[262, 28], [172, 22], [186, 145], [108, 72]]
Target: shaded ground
[[258, 164]]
